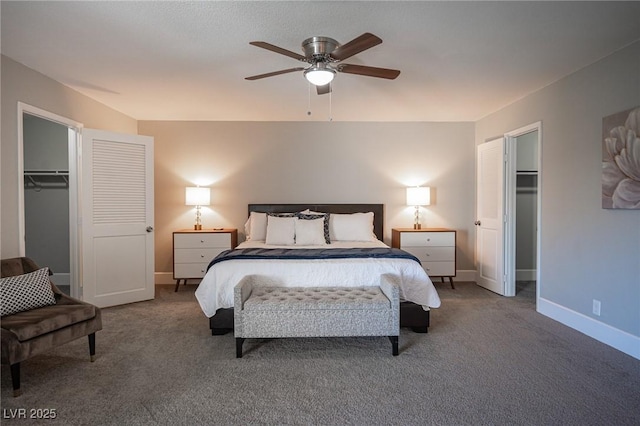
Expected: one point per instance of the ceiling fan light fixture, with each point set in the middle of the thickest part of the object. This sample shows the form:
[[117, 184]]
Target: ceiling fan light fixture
[[319, 75]]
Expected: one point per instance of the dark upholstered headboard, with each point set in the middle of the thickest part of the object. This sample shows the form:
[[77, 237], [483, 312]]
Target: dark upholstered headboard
[[377, 209]]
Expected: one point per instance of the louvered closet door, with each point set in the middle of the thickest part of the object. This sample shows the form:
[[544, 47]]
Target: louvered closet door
[[117, 218]]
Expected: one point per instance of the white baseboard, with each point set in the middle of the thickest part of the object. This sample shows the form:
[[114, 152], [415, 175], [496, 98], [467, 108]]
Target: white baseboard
[[525, 274], [61, 278], [465, 275], [604, 333], [167, 278], [164, 278], [618, 339]]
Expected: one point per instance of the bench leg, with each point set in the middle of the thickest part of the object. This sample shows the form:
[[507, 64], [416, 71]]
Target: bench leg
[[239, 342], [92, 346], [15, 379], [394, 344]]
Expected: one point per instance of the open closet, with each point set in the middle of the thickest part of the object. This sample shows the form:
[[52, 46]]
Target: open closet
[[526, 209], [46, 196]]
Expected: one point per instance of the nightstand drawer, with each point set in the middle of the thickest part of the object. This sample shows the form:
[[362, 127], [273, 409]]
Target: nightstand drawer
[[195, 255], [435, 248], [440, 269], [193, 250], [433, 254], [422, 239], [201, 240], [190, 270]]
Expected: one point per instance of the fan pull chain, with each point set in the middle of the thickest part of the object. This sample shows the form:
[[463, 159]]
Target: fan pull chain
[[309, 99]]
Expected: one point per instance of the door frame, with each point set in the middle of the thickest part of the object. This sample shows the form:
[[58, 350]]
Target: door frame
[[510, 206], [75, 131]]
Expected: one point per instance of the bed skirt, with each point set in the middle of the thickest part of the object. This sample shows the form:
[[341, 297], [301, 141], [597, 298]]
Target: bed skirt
[[411, 315]]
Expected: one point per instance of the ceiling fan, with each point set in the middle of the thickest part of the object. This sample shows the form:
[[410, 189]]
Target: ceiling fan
[[324, 54]]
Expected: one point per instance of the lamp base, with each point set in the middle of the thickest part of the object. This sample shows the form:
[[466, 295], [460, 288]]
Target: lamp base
[[417, 226], [197, 227]]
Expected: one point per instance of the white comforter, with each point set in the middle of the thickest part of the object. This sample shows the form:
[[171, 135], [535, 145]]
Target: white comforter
[[216, 289]]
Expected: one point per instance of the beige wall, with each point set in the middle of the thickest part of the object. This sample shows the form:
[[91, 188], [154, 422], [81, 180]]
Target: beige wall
[[299, 162], [586, 252], [22, 84]]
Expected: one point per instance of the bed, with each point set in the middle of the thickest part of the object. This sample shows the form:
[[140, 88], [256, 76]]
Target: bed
[[351, 250]]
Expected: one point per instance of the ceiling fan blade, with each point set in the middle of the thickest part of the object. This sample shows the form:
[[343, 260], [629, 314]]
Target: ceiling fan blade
[[369, 71], [277, 49], [323, 90], [355, 46], [271, 74]]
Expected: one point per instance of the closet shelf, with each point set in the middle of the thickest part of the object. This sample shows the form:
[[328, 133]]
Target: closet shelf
[[39, 179], [46, 173]]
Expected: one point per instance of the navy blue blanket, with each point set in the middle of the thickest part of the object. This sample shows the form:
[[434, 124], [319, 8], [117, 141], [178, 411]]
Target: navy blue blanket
[[309, 254]]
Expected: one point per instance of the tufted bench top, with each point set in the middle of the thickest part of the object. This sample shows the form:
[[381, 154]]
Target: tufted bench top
[[316, 298]]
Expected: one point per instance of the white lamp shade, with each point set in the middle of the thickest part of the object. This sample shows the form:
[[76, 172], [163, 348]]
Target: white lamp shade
[[319, 77], [419, 196], [197, 196]]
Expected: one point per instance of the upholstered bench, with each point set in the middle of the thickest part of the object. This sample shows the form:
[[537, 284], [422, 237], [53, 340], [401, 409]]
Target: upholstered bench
[[272, 312]]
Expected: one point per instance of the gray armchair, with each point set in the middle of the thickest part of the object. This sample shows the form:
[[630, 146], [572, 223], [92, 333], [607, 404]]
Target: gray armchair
[[32, 332]]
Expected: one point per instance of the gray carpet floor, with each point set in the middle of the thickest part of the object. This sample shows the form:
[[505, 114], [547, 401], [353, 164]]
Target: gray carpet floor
[[487, 360]]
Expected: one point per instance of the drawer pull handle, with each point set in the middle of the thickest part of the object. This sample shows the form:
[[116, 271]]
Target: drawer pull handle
[[202, 255], [202, 241]]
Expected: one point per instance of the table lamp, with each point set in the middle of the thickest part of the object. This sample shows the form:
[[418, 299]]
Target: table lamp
[[418, 196], [197, 196]]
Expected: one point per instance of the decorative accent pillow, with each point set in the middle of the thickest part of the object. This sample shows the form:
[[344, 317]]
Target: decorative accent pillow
[[352, 227], [25, 292], [312, 216], [282, 214], [310, 232], [281, 231]]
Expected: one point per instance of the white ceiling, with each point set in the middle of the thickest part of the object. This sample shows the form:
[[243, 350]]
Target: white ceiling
[[187, 60]]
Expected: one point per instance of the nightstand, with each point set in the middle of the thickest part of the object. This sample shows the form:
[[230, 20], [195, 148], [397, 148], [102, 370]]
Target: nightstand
[[434, 247], [193, 250]]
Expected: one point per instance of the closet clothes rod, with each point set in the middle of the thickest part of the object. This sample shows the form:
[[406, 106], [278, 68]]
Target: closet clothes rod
[[32, 179], [526, 191], [526, 172]]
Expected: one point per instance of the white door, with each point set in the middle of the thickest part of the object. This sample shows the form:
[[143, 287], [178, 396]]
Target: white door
[[490, 215], [117, 218]]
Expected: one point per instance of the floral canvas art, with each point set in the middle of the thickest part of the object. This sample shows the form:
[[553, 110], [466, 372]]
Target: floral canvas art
[[621, 160]]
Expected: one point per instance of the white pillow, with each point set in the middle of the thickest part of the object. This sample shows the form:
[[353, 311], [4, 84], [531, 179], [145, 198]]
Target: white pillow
[[247, 229], [25, 292], [257, 227], [281, 231], [351, 227], [310, 232]]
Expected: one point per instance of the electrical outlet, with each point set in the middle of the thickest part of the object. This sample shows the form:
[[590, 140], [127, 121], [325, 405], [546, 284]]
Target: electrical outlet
[[596, 307]]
